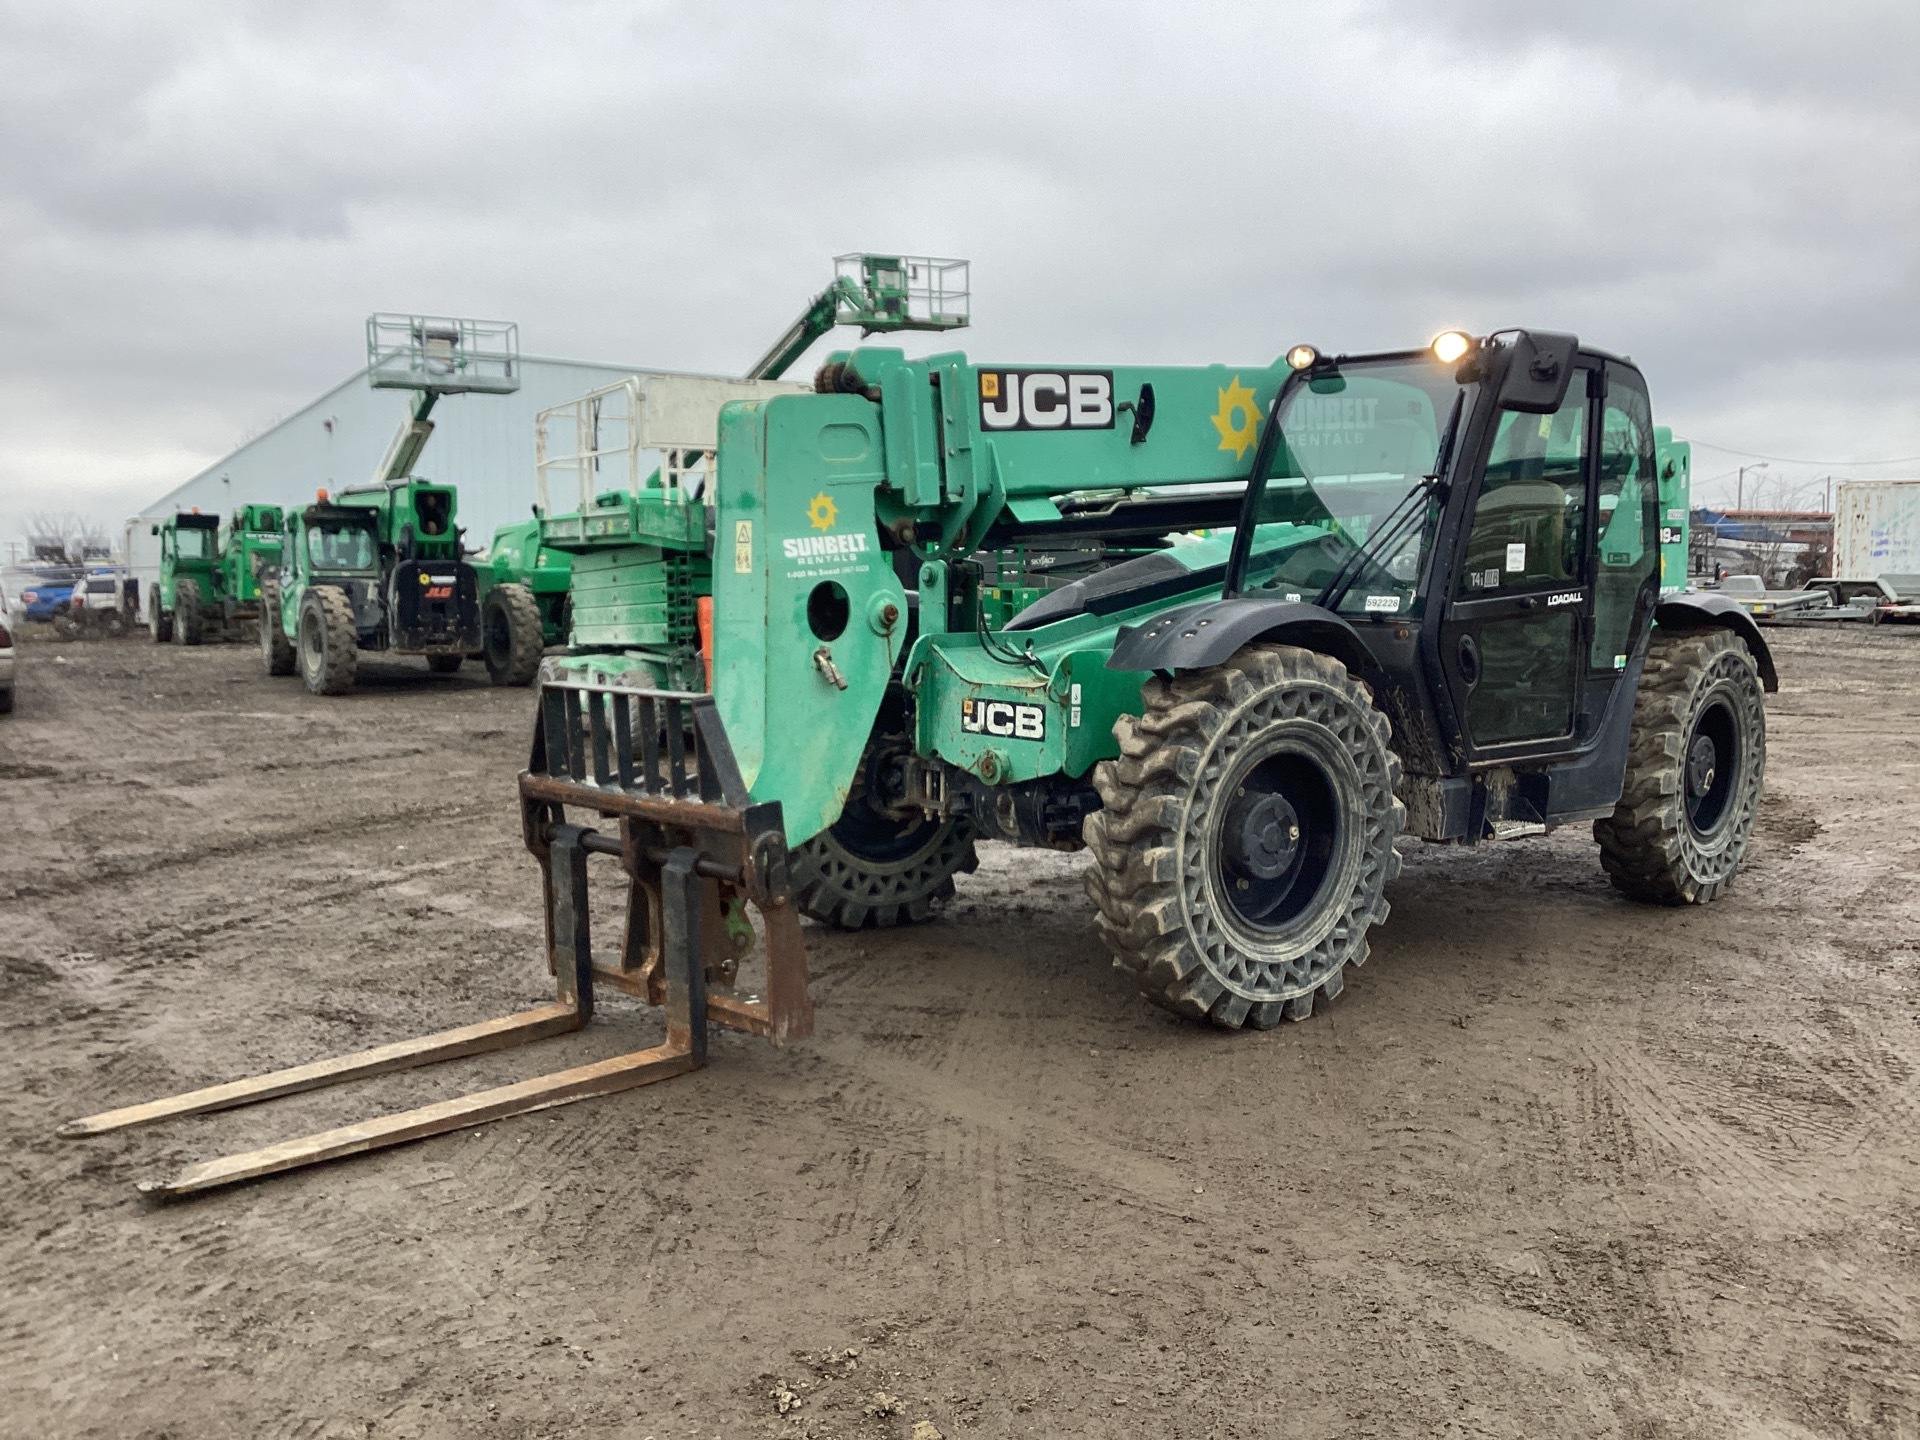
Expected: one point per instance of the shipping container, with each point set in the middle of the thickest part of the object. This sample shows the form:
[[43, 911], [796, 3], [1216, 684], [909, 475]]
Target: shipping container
[[1876, 528]]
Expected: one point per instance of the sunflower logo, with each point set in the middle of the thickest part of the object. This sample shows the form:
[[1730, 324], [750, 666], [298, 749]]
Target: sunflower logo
[[1237, 419], [823, 512]]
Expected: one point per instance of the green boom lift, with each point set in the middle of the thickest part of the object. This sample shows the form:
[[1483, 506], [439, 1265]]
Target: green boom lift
[[1415, 592], [380, 567]]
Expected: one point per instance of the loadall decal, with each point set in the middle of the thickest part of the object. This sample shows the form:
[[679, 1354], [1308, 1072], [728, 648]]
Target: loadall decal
[[1046, 399], [1005, 718]]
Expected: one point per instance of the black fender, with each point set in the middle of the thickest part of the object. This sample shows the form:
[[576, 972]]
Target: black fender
[[1192, 637], [1706, 612]]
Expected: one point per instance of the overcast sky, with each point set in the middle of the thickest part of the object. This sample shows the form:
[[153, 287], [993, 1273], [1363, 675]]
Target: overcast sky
[[200, 202]]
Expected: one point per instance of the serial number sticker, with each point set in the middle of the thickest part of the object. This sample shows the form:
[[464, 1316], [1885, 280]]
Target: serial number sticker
[[742, 547], [1007, 718], [1383, 604]]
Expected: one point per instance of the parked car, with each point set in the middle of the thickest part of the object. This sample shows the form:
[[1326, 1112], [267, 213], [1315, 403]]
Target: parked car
[[46, 600], [6, 658], [96, 606]]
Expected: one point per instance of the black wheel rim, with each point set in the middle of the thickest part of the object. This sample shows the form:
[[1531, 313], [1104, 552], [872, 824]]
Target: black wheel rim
[[1711, 766], [867, 831], [1277, 843]]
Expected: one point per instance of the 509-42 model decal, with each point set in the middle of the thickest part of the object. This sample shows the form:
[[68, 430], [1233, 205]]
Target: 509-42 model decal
[[1008, 718]]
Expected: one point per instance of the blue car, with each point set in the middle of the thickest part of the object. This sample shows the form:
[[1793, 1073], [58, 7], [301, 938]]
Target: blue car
[[43, 600]]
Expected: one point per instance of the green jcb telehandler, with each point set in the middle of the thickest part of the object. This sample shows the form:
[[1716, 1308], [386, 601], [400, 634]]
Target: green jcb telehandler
[[382, 567], [1362, 595], [1329, 600]]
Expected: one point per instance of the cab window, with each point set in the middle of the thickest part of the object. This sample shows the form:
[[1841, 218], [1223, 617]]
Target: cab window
[[1529, 525], [1628, 554]]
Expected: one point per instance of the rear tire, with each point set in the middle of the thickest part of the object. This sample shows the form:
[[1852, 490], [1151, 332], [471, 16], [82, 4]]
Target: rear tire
[[511, 636], [444, 664], [1696, 765], [189, 620], [159, 623], [1247, 836], [275, 649], [329, 643], [872, 868]]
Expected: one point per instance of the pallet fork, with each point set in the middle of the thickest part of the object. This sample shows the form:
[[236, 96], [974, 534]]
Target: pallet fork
[[692, 845]]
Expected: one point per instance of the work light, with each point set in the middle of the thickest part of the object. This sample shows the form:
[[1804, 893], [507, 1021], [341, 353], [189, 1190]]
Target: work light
[[1450, 345], [1301, 356]]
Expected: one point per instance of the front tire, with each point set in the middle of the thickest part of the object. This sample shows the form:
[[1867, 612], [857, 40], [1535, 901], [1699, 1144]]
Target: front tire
[[1247, 836], [1696, 765], [159, 622], [329, 641], [873, 868], [189, 620], [275, 649], [510, 635]]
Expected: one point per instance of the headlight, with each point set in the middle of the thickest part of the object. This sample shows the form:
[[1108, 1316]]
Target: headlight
[[1451, 345], [1301, 356]]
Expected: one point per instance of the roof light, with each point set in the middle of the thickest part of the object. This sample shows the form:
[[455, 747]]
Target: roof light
[[1301, 356], [322, 495], [1451, 345]]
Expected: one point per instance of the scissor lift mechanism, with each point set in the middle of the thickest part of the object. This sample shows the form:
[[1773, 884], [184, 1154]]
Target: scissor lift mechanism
[[691, 843]]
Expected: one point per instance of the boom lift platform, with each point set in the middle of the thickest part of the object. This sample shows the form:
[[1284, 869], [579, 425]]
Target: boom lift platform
[[691, 844]]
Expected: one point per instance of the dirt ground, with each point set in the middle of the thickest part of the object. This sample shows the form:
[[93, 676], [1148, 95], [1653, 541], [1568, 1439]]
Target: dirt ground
[[1553, 1165]]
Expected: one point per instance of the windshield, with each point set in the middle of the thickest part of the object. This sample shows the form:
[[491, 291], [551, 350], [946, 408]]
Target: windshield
[[350, 548], [192, 543], [1342, 503]]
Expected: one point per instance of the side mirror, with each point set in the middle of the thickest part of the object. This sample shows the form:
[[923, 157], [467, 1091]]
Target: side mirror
[[1539, 365]]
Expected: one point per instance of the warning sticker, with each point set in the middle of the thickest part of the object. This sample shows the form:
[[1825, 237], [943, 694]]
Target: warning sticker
[[1516, 557]]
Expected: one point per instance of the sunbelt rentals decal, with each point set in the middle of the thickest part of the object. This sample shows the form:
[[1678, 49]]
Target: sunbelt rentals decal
[[825, 551]]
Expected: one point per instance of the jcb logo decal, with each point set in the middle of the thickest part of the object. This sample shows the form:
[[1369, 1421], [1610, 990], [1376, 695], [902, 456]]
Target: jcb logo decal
[[1003, 717], [1046, 400]]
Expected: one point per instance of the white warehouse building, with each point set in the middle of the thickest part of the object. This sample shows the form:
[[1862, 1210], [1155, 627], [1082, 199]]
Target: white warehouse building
[[482, 443]]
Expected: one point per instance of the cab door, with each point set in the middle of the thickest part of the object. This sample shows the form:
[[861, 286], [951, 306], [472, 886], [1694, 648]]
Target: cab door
[[1513, 637]]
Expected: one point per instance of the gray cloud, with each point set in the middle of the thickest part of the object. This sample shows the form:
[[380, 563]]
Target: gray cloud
[[200, 202]]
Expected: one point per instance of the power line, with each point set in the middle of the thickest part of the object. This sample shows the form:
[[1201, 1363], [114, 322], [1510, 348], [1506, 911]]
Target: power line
[[1788, 460]]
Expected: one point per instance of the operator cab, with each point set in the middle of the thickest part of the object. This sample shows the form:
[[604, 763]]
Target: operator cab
[[340, 541], [1488, 519]]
